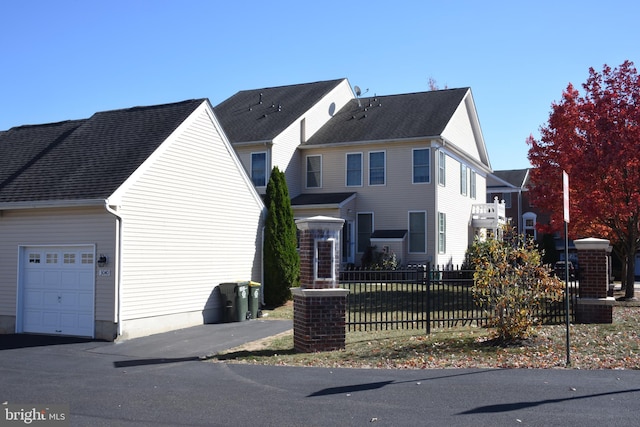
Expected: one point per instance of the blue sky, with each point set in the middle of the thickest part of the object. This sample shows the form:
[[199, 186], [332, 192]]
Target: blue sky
[[68, 59]]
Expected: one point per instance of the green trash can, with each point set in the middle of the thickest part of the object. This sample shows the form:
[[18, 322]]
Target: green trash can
[[235, 297], [254, 299]]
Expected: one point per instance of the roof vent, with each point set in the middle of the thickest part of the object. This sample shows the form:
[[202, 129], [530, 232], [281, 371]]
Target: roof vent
[[260, 101]]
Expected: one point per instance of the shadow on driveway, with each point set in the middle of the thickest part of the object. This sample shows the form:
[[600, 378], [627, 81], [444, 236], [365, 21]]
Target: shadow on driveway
[[14, 341]]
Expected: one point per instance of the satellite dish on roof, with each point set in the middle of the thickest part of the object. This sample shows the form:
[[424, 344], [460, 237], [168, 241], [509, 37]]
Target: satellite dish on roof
[[358, 91]]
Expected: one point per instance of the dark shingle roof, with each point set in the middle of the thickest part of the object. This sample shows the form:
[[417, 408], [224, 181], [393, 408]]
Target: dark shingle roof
[[83, 159], [389, 234], [245, 119], [390, 117], [517, 177], [320, 199]]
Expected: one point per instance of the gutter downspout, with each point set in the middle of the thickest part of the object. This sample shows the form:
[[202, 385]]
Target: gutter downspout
[[118, 266]]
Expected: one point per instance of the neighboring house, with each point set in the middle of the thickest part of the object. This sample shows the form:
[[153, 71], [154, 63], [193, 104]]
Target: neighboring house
[[124, 223], [406, 172], [512, 186]]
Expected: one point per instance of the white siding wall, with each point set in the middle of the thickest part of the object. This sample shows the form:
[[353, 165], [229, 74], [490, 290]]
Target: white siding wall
[[390, 202], [192, 220], [461, 133], [458, 211], [77, 226], [285, 154]]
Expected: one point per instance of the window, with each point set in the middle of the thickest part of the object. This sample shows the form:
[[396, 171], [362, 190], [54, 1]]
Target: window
[[354, 169], [259, 169], [418, 232], [365, 228], [421, 159], [442, 172], [69, 258], [86, 258], [442, 232], [377, 168], [529, 220], [314, 171], [52, 258], [34, 258], [472, 184], [463, 179]]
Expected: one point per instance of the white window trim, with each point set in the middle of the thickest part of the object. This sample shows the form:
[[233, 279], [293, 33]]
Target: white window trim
[[425, 231], [266, 167], [384, 168], [413, 165], [316, 260], [306, 170], [346, 169]]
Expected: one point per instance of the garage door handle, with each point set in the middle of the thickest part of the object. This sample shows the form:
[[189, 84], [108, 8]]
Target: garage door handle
[[59, 298]]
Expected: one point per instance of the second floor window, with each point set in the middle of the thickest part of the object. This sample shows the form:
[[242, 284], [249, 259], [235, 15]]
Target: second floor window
[[377, 168], [421, 159], [472, 184], [314, 171], [442, 170], [259, 169], [354, 169], [463, 180]]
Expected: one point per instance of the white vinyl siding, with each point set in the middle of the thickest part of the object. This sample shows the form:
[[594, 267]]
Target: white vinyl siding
[[417, 232], [56, 227], [314, 172], [421, 166], [354, 169], [191, 221], [377, 168]]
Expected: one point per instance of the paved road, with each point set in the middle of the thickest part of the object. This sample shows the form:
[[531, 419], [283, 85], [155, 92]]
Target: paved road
[[160, 381]]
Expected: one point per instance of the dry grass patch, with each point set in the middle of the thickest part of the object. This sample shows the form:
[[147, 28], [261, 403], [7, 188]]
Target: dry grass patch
[[615, 346]]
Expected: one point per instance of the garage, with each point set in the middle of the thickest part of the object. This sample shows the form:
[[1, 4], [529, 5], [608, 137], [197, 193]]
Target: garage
[[56, 293]]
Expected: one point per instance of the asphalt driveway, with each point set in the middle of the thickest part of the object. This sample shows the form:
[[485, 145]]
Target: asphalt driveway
[[161, 380]]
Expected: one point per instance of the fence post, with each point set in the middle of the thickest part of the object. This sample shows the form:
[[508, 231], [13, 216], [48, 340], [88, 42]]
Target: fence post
[[319, 305], [593, 304], [428, 304]]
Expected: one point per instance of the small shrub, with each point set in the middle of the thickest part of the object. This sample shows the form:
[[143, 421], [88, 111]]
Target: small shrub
[[510, 283]]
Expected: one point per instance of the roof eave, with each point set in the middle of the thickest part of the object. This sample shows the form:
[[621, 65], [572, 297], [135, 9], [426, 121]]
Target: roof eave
[[43, 204], [369, 142]]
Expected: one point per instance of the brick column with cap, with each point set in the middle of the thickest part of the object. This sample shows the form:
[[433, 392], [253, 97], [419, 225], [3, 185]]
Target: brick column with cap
[[593, 304], [319, 304]]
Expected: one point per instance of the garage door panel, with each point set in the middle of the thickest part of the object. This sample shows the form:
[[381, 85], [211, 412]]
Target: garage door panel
[[58, 290], [33, 299]]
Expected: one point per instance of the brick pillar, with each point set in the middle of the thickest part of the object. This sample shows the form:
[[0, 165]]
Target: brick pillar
[[319, 305], [593, 304]]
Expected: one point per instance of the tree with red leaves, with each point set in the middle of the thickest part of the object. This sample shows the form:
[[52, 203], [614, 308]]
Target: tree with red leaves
[[595, 138]]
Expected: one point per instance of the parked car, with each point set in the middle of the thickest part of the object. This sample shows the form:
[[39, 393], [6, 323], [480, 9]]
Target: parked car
[[559, 269]]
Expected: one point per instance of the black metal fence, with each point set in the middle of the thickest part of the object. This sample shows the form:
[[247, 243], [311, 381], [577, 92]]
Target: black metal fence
[[424, 297]]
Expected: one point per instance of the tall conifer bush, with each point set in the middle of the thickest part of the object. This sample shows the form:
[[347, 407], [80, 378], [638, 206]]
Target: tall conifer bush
[[281, 259]]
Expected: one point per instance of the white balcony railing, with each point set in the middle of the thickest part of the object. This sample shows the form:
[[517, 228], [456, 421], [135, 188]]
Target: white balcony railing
[[488, 215]]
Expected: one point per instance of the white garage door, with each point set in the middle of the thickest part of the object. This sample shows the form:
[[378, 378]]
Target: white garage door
[[58, 290]]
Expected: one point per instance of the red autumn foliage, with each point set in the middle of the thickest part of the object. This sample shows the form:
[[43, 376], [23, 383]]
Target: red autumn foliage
[[595, 138]]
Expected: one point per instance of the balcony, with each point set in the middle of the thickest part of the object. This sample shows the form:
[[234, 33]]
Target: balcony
[[489, 216]]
